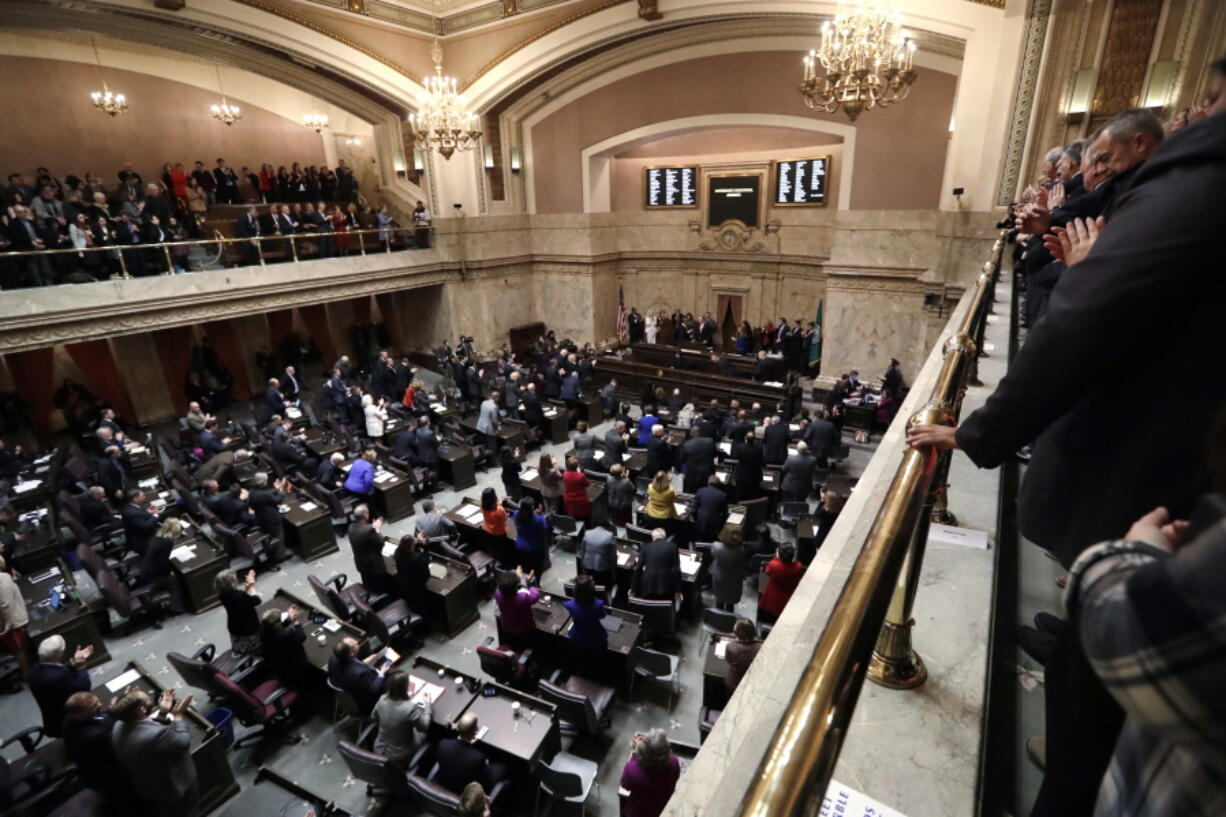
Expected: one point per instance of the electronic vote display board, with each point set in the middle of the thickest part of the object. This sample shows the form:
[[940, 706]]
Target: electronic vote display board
[[801, 182], [670, 187], [733, 198]]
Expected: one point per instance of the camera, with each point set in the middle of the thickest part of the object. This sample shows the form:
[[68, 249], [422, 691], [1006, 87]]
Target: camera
[[457, 205]]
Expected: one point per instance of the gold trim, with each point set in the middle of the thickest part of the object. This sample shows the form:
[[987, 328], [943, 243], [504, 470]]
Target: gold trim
[[706, 200], [340, 38], [774, 201], [653, 207]]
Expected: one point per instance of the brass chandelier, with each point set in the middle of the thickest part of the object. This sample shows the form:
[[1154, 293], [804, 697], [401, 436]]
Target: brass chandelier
[[225, 113], [315, 121], [110, 103], [443, 123], [867, 58]]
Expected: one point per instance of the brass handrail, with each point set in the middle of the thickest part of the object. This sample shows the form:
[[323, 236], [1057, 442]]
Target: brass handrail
[[293, 237], [792, 779]]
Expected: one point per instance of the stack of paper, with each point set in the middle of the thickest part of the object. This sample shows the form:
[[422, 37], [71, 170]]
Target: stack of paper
[[473, 514], [308, 506], [184, 553], [27, 485], [681, 509], [690, 563], [528, 474], [149, 483], [389, 548], [420, 689], [623, 558], [721, 649], [736, 518]]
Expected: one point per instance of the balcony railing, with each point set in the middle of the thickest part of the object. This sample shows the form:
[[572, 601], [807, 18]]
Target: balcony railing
[[869, 631], [264, 245]]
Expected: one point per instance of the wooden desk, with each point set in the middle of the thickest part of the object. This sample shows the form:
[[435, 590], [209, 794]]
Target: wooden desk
[[142, 460], [699, 359], [553, 617], [714, 670], [308, 528], [322, 443], [214, 777], [453, 593], [507, 435], [393, 488], [697, 387], [74, 620], [591, 409], [32, 488], [41, 547], [528, 738], [474, 533], [555, 420], [456, 465], [392, 427], [452, 702], [318, 652], [196, 574]]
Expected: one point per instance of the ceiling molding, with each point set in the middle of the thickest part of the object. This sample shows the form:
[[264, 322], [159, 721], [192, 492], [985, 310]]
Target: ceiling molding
[[201, 40]]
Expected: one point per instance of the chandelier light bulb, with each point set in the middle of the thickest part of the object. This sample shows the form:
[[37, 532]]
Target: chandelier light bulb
[[443, 122]]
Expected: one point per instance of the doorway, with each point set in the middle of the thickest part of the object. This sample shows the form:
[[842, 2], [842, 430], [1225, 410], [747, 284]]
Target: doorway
[[728, 318]]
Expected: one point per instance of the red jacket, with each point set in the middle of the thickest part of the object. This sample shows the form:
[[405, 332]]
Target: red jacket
[[574, 494], [783, 581]]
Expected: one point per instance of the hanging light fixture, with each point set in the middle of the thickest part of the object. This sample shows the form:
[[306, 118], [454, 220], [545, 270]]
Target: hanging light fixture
[[107, 101], [353, 142], [315, 121], [443, 123], [225, 112], [867, 59]]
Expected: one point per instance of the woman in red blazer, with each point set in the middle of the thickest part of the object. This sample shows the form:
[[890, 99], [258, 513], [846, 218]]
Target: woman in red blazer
[[574, 491], [783, 573]]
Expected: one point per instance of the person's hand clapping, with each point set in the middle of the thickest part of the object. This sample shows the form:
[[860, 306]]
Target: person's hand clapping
[[1079, 238], [1158, 529], [295, 614]]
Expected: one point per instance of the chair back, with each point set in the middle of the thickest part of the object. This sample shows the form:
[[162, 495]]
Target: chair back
[[659, 615], [330, 599], [652, 662], [793, 510], [370, 619], [90, 560], [432, 798], [68, 502], [755, 512], [637, 534], [573, 707], [374, 769], [718, 621], [563, 524], [347, 703], [73, 523], [246, 707], [497, 663], [198, 674], [559, 783], [115, 592]]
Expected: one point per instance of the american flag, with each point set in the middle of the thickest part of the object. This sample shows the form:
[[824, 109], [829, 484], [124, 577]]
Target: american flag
[[621, 312]]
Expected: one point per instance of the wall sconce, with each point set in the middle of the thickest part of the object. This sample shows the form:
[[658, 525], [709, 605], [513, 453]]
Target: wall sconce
[[1082, 96], [1161, 80], [489, 157], [516, 166], [419, 161]]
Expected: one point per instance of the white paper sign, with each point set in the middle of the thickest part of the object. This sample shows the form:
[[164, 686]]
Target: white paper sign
[[844, 801], [949, 535], [127, 679]]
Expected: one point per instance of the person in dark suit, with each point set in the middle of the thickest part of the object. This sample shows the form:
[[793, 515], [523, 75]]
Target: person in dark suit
[[763, 369], [274, 400], [775, 438], [139, 525], [736, 425], [533, 413], [747, 475], [697, 458], [797, 474], [112, 475], [723, 365], [94, 510], [615, 441], [405, 447], [209, 442], [54, 678], [291, 454], [153, 745], [822, 437], [87, 742], [281, 640], [266, 506], [413, 572], [658, 572], [659, 452], [248, 226], [636, 325], [892, 379], [367, 544], [359, 678], [427, 443], [706, 334], [330, 474], [461, 761], [291, 389], [226, 181], [233, 508], [155, 567], [710, 510]]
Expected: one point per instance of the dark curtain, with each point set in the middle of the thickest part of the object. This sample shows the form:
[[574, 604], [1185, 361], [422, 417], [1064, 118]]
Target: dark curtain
[[96, 362], [280, 324], [362, 309], [224, 341], [387, 308], [175, 352], [33, 374], [316, 320]]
